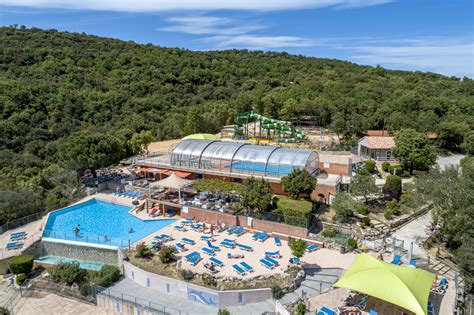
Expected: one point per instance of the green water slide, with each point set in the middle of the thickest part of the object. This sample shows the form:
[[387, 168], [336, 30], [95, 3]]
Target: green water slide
[[249, 125]]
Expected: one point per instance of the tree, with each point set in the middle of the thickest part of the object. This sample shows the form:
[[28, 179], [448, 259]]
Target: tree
[[468, 144], [413, 150], [166, 254], [370, 165], [363, 186], [344, 206], [392, 188], [297, 182], [298, 247], [140, 142], [256, 193], [194, 120]]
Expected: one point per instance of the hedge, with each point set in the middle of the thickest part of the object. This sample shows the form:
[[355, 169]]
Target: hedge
[[295, 208], [21, 264]]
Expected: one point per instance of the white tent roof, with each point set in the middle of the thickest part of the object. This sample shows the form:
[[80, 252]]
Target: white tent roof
[[173, 181]]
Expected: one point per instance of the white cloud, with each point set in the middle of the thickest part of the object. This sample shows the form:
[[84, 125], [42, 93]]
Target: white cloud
[[167, 5], [258, 42], [200, 25]]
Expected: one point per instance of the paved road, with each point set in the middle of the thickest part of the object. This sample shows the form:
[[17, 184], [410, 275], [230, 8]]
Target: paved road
[[416, 232]]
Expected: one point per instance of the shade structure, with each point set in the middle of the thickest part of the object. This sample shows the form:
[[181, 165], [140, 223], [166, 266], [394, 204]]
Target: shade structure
[[201, 136], [173, 182], [406, 287]]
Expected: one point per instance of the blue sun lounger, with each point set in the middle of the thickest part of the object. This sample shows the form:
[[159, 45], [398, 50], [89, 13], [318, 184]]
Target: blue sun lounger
[[17, 237], [267, 264], [373, 312], [205, 238], [213, 247], [179, 228], [413, 263], [195, 259], [295, 260], [311, 248], [273, 254], [277, 241], [256, 235], [246, 266], [188, 241], [216, 261], [263, 237], [196, 227], [14, 245], [325, 311], [169, 213], [231, 230], [239, 231], [188, 221], [227, 244], [180, 246], [245, 247], [239, 269], [228, 240], [208, 251], [271, 260], [17, 233], [396, 260]]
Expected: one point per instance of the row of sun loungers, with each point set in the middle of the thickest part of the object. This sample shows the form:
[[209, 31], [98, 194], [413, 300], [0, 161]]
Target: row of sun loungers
[[243, 268], [237, 230], [14, 245], [129, 193], [269, 262], [17, 236]]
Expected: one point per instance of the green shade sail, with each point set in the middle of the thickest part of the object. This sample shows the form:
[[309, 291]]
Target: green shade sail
[[201, 136], [406, 287]]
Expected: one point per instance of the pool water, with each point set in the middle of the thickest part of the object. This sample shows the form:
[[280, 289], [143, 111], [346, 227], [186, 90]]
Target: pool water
[[100, 222], [54, 260], [260, 167]]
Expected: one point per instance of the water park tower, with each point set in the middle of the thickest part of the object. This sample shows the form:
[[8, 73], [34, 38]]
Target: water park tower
[[258, 128]]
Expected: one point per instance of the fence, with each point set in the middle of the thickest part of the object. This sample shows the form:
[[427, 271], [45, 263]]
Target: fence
[[27, 242], [22, 221], [11, 303], [84, 293], [87, 238]]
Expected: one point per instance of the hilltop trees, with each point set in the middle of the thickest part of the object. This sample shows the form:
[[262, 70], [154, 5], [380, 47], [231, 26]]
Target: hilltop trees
[[413, 150], [140, 142]]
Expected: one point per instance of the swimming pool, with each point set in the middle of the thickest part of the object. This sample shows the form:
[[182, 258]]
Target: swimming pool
[[260, 167], [101, 223], [54, 260]]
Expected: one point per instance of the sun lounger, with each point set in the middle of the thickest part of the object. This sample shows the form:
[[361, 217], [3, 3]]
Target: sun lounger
[[17, 237], [277, 241], [180, 246], [197, 227], [246, 266], [229, 240], [271, 260], [188, 241], [213, 247], [256, 235], [208, 251], [14, 245], [210, 268], [227, 244], [273, 254], [413, 263], [431, 310], [231, 230], [188, 221], [239, 231], [263, 237], [205, 238], [239, 269], [234, 255], [170, 213], [311, 248], [216, 261], [373, 312], [295, 260], [245, 247], [17, 233], [325, 311], [267, 264], [179, 228], [396, 260], [195, 259]]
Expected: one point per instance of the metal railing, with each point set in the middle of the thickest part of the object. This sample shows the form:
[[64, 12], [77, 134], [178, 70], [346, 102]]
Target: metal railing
[[87, 238], [27, 242], [21, 221]]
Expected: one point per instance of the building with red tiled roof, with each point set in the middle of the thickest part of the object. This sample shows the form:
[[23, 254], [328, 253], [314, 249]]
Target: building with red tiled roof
[[376, 148]]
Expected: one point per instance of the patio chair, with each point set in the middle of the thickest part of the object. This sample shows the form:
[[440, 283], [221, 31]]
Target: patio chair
[[188, 241], [256, 235], [246, 266], [231, 230], [273, 261], [216, 261], [245, 247], [239, 231], [277, 241], [273, 254], [267, 264], [263, 237], [213, 247], [311, 248], [208, 251], [397, 260], [238, 269], [412, 263], [325, 311]]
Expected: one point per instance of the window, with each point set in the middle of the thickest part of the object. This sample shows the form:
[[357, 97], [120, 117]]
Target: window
[[240, 297], [327, 165]]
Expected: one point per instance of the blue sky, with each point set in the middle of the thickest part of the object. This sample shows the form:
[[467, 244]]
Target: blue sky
[[425, 35]]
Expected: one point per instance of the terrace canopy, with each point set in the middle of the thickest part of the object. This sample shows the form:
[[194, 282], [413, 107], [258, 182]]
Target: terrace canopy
[[173, 181], [406, 287]]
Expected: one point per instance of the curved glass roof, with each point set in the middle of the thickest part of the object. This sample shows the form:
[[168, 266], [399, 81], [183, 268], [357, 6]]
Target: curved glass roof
[[241, 158]]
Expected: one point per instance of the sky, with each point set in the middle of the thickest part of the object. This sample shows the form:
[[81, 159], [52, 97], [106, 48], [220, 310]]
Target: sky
[[423, 35]]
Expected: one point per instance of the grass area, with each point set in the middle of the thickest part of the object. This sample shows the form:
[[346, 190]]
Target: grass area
[[296, 208], [154, 265]]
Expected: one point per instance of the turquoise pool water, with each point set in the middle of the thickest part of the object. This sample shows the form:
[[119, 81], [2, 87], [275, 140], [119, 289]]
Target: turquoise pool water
[[260, 167], [101, 223], [54, 260]]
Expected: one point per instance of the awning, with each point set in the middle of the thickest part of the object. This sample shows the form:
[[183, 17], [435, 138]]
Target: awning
[[173, 181], [406, 287]]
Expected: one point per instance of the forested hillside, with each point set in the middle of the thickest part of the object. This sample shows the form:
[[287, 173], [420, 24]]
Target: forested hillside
[[71, 102]]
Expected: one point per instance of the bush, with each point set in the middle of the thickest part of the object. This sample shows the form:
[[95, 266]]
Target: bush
[[186, 274], [388, 214], [363, 209], [363, 171], [21, 278], [370, 166], [393, 187], [108, 275], [301, 309], [329, 231], [21, 264], [297, 182], [351, 243], [392, 206], [395, 169], [344, 206], [364, 222], [68, 273], [143, 251], [166, 254], [223, 311], [277, 292], [209, 280], [298, 247], [385, 166], [4, 311]]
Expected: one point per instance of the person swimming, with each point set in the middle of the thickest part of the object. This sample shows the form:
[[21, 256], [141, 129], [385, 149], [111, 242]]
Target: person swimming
[[130, 230]]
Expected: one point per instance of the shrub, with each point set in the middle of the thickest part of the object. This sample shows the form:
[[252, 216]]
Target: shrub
[[301, 309], [21, 278], [363, 171], [329, 231], [351, 243], [186, 274], [298, 247], [370, 165], [388, 214], [363, 209], [108, 275], [223, 311], [392, 206], [68, 273], [393, 187], [395, 169], [143, 251], [344, 205], [297, 182], [277, 292], [364, 222], [4, 311], [166, 254], [21, 264], [385, 166], [209, 280]]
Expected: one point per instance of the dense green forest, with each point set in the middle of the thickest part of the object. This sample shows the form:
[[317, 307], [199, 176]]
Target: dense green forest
[[70, 102]]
